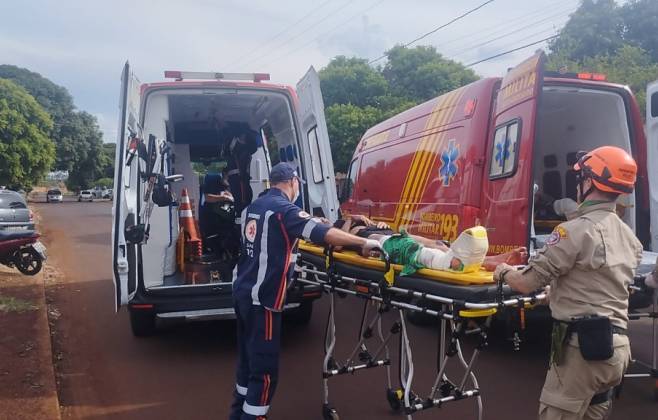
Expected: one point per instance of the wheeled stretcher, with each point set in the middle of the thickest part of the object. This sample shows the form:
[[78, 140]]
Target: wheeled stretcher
[[462, 303]]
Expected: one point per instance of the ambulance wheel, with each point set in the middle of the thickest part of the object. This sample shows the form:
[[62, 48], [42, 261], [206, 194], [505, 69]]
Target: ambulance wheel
[[393, 397], [329, 413], [300, 315], [142, 323]]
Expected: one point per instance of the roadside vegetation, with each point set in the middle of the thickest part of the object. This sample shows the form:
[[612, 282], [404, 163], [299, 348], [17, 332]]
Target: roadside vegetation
[[41, 130], [12, 304]]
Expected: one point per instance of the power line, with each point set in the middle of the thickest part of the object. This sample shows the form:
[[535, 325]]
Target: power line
[[496, 29], [287, 29], [533, 24], [511, 51], [437, 28], [309, 28], [376, 3]]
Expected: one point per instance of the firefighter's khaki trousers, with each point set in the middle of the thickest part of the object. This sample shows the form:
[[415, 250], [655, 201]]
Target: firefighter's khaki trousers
[[570, 386]]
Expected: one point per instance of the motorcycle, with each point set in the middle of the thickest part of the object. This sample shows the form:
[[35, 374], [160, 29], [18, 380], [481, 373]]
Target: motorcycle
[[23, 250]]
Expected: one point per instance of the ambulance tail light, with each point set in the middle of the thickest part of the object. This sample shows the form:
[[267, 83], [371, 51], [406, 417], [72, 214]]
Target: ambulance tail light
[[199, 75]]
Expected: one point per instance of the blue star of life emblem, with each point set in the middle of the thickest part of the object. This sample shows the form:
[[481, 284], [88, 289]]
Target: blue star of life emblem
[[502, 152], [449, 166]]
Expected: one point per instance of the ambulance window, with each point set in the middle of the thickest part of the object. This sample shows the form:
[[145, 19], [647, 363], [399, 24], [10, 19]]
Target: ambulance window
[[348, 186], [316, 160], [503, 153], [654, 105]]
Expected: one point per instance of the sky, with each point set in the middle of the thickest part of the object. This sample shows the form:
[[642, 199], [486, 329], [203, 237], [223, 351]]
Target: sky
[[83, 44]]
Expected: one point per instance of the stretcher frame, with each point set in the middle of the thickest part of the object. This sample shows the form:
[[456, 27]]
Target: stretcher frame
[[651, 369], [455, 316]]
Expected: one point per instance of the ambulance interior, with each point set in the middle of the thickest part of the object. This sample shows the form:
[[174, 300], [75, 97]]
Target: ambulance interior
[[573, 119], [188, 121]]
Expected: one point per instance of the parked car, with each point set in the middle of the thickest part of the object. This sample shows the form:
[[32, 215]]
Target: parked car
[[108, 194], [54, 196], [14, 214], [85, 195]]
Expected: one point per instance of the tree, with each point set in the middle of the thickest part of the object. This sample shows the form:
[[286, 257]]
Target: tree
[[82, 147], [640, 19], [55, 99], [346, 124], [421, 73], [26, 152], [594, 29], [352, 81], [107, 162], [77, 138]]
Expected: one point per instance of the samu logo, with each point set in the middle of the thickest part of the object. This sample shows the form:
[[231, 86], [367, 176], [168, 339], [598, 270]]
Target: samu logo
[[449, 167]]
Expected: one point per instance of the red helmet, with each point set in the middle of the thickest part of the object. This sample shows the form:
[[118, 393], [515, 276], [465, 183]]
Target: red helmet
[[610, 168]]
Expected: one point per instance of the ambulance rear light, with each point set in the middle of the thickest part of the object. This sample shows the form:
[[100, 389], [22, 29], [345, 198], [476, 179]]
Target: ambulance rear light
[[597, 77], [199, 75]]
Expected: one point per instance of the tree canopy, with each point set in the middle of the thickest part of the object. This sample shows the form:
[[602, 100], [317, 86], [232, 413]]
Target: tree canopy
[[358, 96], [26, 152], [618, 41], [78, 140]]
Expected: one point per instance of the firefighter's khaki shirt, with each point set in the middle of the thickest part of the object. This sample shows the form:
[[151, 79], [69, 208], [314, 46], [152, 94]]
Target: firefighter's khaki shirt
[[589, 262]]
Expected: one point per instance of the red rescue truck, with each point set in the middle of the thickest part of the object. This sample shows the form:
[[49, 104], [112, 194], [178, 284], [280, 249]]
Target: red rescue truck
[[497, 152]]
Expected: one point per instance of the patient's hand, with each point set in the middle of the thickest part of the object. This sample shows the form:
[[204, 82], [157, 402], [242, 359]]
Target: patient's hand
[[383, 225]]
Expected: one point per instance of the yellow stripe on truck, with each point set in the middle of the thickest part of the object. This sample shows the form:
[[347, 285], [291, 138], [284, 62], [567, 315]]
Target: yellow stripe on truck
[[417, 160], [430, 149], [441, 137]]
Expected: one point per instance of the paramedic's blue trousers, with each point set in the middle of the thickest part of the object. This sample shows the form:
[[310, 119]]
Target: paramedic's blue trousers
[[259, 331]]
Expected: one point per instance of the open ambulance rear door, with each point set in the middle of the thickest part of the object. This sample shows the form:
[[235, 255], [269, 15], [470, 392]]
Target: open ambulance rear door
[[507, 209], [652, 159], [316, 152], [126, 189]]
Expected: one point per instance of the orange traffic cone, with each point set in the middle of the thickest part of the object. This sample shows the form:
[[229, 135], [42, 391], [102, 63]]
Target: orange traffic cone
[[186, 220]]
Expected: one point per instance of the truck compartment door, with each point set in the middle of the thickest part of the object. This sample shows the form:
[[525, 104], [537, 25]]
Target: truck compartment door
[[126, 185], [652, 159], [507, 205], [316, 157]]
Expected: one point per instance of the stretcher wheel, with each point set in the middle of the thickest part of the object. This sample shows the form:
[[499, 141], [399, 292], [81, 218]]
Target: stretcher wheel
[[329, 413], [394, 398]]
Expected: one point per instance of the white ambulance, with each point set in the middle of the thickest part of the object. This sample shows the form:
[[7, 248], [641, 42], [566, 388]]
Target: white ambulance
[[171, 129]]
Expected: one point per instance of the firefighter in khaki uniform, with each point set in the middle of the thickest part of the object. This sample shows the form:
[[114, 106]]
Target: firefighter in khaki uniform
[[589, 262]]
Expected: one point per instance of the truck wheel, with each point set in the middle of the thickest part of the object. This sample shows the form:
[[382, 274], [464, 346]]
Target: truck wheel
[[301, 315], [142, 323]]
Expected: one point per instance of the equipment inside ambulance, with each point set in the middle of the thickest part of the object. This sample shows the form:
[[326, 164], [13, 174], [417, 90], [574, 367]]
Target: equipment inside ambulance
[[499, 153], [192, 154]]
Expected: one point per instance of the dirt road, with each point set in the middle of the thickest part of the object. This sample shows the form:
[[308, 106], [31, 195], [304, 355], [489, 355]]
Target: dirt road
[[186, 372]]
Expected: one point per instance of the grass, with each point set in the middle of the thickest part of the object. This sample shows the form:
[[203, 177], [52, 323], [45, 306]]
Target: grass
[[11, 304]]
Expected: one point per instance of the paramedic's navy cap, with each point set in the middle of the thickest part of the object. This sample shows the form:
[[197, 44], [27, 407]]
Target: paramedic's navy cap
[[282, 172]]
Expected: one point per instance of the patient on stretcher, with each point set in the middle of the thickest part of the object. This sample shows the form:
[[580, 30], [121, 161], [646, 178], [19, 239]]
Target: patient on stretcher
[[466, 254]]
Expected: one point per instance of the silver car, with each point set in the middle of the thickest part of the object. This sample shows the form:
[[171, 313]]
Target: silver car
[[54, 196], [14, 214]]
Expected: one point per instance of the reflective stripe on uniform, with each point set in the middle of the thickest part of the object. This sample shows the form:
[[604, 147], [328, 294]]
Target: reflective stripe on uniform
[[242, 390], [262, 259], [255, 410], [234, 172], [308, 228]]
